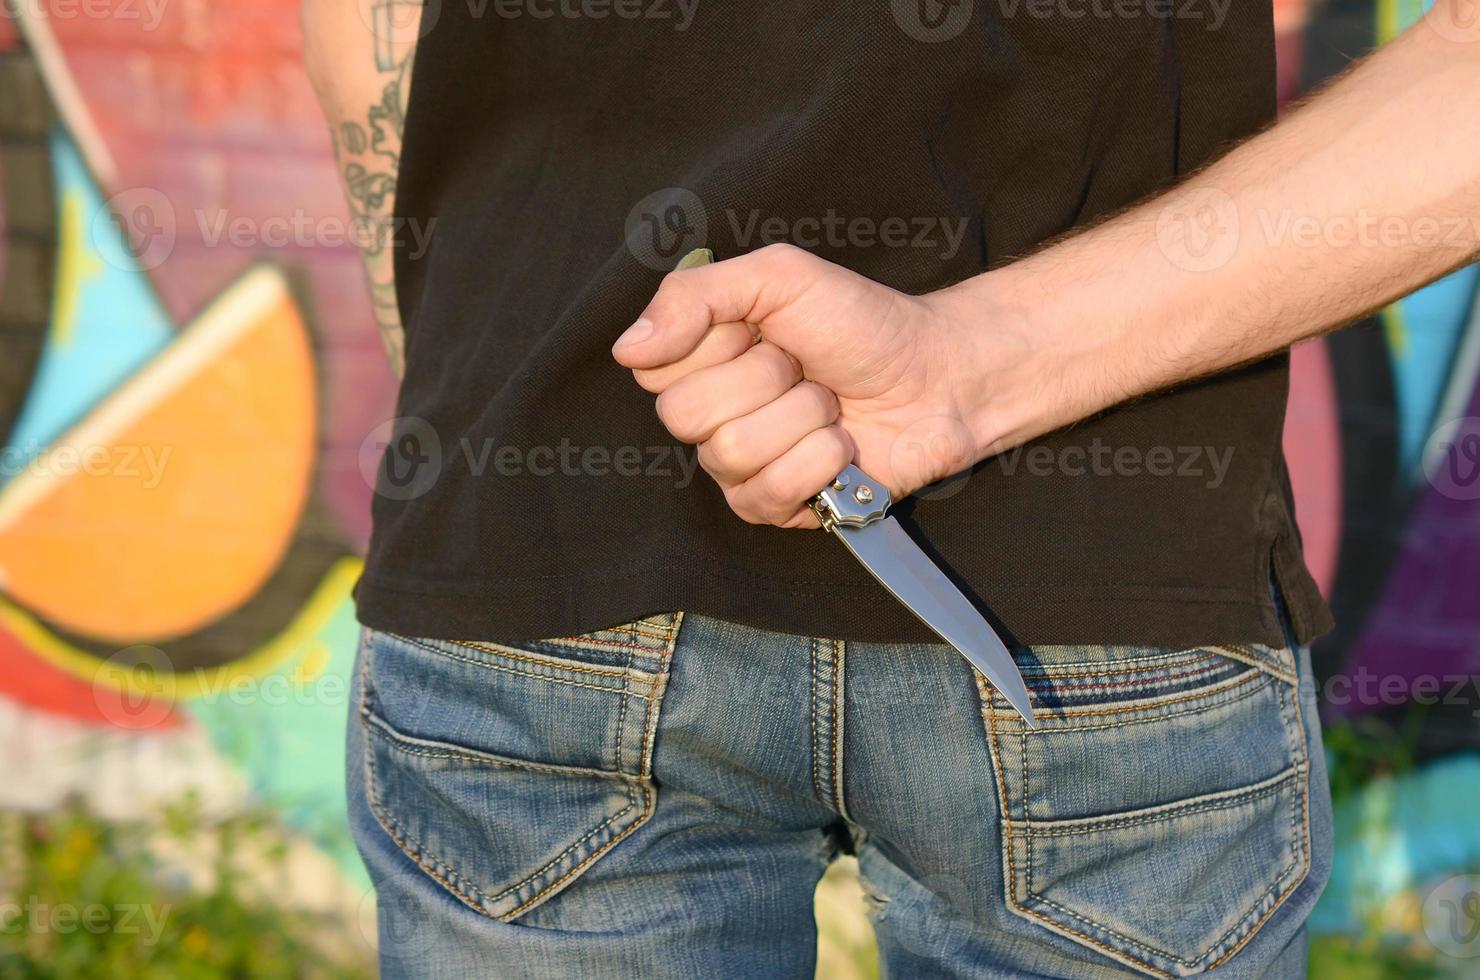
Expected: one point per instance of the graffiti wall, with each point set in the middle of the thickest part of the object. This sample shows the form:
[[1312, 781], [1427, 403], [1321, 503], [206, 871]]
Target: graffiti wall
[[190, 364], [189, 367]]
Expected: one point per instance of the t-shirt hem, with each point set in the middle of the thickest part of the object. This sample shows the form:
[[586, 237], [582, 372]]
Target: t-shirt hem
[[513, 610]]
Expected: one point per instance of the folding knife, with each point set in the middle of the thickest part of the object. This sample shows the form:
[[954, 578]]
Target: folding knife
[[855, 507]]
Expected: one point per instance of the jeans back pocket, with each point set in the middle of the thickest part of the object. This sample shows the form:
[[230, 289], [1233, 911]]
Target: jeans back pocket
[[1160, 812], [506, 770]]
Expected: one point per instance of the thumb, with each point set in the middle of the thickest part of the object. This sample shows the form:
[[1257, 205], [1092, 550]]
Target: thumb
[[698, 294]]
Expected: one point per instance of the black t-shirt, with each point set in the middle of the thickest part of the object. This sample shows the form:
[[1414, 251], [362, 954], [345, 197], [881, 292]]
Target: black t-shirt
[[562, 163]]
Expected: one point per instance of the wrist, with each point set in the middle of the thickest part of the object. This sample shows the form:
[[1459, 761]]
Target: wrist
[[1025, 358]]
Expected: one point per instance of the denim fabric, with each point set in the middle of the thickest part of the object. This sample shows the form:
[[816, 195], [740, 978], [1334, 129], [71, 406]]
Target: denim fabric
[[660, 799]]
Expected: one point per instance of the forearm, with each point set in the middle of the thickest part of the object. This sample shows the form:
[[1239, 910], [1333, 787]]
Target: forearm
[[1369, 191], [359, 55]]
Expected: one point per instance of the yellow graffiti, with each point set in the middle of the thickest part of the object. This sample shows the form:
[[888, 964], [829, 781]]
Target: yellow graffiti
[[76, 264], [333, 590]]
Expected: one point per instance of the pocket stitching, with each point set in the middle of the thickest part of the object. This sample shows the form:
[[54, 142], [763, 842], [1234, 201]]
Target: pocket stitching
[[456, 883], [410, 745], [1301, 819], [459, 883], [1011, 863], [1127, 941], [1247, 794], [650, 730], [1147, 706], [1152, 719], [1144, 665], [1046, 680], [631, 802], [1299, 808], [1154, 660], [551, 664]]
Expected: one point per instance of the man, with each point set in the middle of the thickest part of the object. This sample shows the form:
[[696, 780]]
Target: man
[[1085, 395]]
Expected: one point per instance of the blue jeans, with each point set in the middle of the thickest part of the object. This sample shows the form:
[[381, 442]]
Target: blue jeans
[[660, 799]]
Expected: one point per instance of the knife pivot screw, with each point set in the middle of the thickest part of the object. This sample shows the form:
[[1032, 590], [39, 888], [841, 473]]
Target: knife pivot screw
[[864, 494]]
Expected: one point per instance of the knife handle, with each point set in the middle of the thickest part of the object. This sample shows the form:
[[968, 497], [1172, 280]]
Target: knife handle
[[853, 499]]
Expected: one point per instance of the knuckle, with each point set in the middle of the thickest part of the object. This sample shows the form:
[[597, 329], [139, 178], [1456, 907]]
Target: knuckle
[[825, 399], [776, 491], [726, 448], [740, 503], [650, 380], [678, 414], [839, 447], [672, 283], [781, 369], [785, 252]]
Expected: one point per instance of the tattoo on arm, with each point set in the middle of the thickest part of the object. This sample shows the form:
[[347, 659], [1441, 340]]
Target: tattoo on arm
[[368, 150]]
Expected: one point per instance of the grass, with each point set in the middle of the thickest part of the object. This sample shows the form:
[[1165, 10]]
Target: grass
[[80, 898]]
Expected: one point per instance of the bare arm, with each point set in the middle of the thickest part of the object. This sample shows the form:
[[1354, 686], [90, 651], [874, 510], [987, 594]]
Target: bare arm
[[1367, 192], [359, 55]]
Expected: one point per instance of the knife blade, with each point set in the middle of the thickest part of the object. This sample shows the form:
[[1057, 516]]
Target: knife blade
[[855, 508]]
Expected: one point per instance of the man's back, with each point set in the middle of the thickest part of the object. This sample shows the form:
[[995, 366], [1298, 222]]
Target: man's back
[[562, 164]]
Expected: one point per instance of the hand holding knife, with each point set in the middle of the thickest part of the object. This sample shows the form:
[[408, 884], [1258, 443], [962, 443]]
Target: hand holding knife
[[855, 508]]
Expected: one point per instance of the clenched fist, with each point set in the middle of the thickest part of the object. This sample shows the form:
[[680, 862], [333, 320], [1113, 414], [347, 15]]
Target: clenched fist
[[783, 368]]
